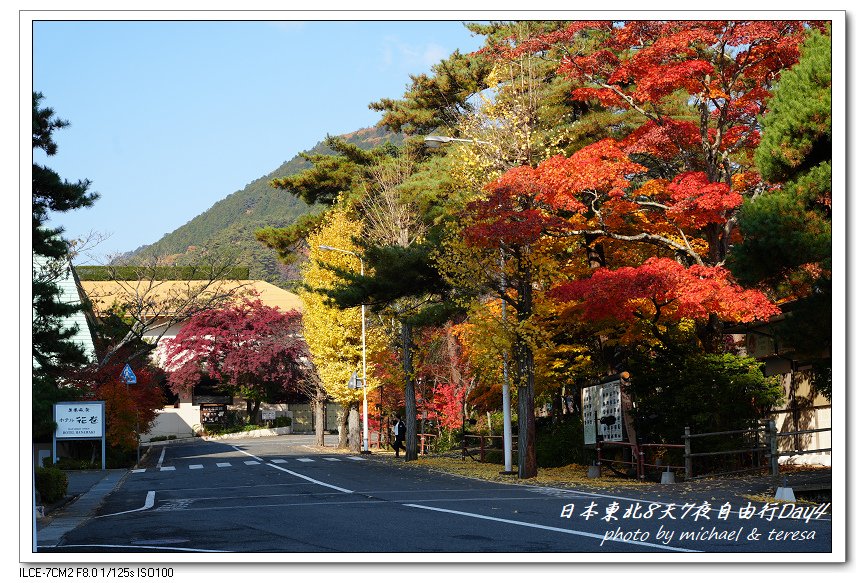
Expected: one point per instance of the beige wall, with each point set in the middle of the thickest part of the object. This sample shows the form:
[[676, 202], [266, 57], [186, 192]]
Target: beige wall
[[182, 422]]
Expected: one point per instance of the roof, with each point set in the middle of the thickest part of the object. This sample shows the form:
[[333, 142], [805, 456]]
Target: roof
[[103, 294]]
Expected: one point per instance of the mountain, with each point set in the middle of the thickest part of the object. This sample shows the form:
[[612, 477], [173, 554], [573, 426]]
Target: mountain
[[231, 223]]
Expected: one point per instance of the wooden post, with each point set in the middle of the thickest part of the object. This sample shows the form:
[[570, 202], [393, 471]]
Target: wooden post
[[482, 448], [773, 446], [688, 469], [464, 446]]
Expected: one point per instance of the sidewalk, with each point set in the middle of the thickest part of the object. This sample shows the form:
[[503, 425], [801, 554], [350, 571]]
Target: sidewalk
[[85, 493]]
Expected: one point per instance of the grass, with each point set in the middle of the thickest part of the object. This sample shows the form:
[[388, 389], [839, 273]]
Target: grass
[[570, 476]]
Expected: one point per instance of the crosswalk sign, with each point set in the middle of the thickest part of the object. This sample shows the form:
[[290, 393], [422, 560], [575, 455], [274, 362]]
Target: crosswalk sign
[[127, 376]]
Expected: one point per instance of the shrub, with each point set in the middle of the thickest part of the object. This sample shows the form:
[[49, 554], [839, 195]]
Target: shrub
[[561, 444], [51, 483], [450, 439], [75, 464]]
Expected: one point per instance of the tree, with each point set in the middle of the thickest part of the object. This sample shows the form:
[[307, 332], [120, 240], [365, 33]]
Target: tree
[[53, 350], [137, 304], [253, 350], [670, 187], [786, 231], [334, 334], [660, 293], [130, 409], [438, 100], [696, 167], [676, 388]]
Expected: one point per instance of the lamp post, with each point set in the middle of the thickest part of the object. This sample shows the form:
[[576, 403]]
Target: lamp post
[[434, 142], [363, 347]]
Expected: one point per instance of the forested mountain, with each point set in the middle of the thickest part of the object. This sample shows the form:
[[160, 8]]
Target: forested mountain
[[230, 224]]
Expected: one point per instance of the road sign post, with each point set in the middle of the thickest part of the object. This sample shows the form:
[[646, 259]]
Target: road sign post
[[128, 377]]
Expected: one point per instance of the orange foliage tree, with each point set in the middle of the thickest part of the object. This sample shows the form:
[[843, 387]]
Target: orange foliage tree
[[671, 188], [130, 410]]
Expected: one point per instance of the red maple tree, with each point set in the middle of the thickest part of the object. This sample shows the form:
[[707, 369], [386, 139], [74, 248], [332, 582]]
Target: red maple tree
[[662, 291], [253, 350]]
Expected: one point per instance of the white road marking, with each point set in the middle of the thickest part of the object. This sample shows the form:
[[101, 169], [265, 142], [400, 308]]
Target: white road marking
[[354, 457], [331, 459], [148, 504], [161, 457], [223, 465], [279, 461], [251, 463], [255, 457], [552, 528], [307, 478], [166, 469], [304, 459], [140, 470], [195, 466], [141, 547]]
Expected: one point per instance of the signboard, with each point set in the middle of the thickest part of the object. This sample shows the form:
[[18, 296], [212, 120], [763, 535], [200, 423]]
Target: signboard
[[127, 376], [84, 420], [268, 415], [212, 399], [602, 412], [211, 413], [79, 420]]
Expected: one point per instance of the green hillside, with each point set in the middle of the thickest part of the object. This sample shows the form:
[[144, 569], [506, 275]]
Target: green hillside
[[231, 223]]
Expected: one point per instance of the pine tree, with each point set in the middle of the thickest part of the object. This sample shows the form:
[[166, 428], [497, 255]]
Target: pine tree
[[787, 230], [53, 349]]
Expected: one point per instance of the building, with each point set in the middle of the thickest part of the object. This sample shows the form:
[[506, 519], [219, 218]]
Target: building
[[157, 300]]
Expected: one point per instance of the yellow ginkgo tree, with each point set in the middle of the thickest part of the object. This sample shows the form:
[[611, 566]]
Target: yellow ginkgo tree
[[334, 335]]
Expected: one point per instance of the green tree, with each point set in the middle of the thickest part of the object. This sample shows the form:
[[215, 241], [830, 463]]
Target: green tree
[[787, 230], [678, 387], [53, 349]]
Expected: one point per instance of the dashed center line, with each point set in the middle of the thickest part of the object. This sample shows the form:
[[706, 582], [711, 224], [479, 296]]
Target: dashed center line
[[253, 462]]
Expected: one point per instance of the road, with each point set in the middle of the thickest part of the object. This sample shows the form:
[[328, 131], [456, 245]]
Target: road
[[280, 495]]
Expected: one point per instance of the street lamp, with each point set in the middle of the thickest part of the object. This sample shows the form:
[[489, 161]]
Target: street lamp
[[363, 347], [434, 142]]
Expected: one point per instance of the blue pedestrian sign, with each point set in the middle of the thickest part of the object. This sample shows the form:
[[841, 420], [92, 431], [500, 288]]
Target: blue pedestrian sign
[[127, 376]]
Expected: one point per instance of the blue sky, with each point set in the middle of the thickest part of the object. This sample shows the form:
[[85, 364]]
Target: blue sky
[[167, 118]]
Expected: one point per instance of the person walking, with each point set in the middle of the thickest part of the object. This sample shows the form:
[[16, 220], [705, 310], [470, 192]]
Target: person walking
[[399, 435]]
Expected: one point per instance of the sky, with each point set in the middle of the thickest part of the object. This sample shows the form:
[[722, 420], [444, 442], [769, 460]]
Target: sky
[[167, 118]]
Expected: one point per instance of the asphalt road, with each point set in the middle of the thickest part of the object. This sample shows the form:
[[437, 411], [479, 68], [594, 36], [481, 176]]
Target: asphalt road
[[279, 495]]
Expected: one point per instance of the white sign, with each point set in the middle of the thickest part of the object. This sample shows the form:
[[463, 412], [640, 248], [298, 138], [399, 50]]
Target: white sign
[[268, 415], [602, 402], [83, 420]]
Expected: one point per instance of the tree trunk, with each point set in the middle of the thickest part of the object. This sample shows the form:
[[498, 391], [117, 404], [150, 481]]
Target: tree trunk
[[354, 428], [318, 406], [252, 407], [525, 361], [526, 410], [410, 406], [594, 252], [341, 424]]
